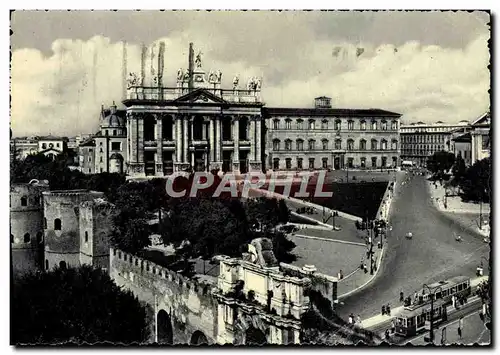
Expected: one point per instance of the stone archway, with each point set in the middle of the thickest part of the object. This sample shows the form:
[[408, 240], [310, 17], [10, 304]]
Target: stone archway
[[198, 338], [164, 328], [250, 330]]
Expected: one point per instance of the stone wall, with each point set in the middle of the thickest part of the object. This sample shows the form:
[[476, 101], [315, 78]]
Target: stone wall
[[189, 304]]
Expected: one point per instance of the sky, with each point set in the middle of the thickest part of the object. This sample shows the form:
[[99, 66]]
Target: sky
[[428, 66]]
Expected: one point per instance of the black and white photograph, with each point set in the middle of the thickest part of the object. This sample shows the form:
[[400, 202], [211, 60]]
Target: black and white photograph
[[250, 178]]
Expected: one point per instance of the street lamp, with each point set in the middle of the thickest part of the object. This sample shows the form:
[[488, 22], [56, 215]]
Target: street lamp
[[432, 292]]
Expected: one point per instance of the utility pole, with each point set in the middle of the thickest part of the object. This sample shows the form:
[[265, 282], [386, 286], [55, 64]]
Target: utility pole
[[432, 292]]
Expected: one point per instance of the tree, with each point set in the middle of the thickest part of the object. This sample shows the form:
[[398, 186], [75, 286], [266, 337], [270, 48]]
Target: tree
[[81, 305], [130, 232], [476, 183], [459, 170], [440, 162]]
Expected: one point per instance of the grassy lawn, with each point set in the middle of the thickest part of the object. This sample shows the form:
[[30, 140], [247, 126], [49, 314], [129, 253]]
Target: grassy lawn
[[359, 199]]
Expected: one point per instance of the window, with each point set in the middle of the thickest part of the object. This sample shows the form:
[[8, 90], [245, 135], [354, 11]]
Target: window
[[338, 144], [44, 146], [288, 144], [276, 144], [350, 144], [27, 238], [350, 162], [384, 144], [363, 162], [86, 236], [324, 124], [300, 144], [62, 265], [57, 224], [394, 144], [374, 125], [276, 124], [107, 133], [374, 144], [90, 159], [91, 150], [300, 124], [362, 144], [299, 163], [116, 146], [90, 170], [350, 125], [311, 124], [311, 163], [337, 125], [46, 264], [312, 144], [394, 161], [24, 201], [114, 132], [325, 144], [485, 142], [288, 163], [374, 162], [362, 125], [100, 159], [384, 125], [325, 163], [100, 150], [384, 162], [100, 143], [276, 163], [288, 123], [57, 145]]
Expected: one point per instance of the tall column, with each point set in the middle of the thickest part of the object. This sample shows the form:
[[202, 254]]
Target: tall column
[[185, 158], [258, 140], [252, 139], [159, 145], [178, 139], [236, 143], [140, 140], [211, 130], [218, 139]]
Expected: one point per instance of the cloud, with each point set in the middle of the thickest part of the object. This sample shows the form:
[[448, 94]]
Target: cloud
[[62, 93]]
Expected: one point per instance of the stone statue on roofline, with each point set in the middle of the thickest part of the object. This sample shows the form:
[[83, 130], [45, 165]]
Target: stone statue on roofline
[[236, 81], [179, 75], [197, 61]]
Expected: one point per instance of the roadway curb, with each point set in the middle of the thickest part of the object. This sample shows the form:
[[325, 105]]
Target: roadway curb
[[328, 240], [316, 222]]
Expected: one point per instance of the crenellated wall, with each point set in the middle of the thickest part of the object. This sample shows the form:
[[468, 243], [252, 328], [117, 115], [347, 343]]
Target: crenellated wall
[[189, 304]]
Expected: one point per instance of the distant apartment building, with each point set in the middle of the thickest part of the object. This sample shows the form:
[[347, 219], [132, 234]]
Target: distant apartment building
[[475, 144]]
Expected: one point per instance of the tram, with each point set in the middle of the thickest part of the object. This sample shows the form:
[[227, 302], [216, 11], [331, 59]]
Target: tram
[[414, 319], [458, 286]]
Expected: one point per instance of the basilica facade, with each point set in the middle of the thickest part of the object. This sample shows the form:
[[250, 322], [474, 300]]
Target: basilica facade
[[197, 125]]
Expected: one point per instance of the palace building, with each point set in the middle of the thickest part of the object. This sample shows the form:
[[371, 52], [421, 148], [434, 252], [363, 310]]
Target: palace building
[[197, 125]]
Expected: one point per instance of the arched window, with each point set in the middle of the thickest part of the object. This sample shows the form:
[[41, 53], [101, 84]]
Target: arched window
[[276, 144], [394, 125], [276, 163], [374, 144], [24, 201], [312, 124], [362, 125], [383, 144], [338, 124], [338, 144], [350, 144], [362, 144], [288, 123], [276, 124], [288, 144], [300, 124], [384, 125], [27, 238], [86, 236], [57, 224], [300, 144], [324, 124], [374, 125], [325, 144], [350, 125], [394, 144], [312, 144]]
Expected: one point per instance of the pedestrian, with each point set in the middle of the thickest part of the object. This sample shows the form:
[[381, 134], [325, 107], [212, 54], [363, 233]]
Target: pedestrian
[[460, 326], [387, 334], [351, 320], [388, 309], [393, 327], [383, 310], [401, 296], [358, 320]]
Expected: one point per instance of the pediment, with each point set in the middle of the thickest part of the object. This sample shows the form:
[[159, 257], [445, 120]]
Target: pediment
[[201, 96]]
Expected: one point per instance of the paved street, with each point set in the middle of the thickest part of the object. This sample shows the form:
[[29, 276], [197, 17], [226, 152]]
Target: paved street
[[432, 255]]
